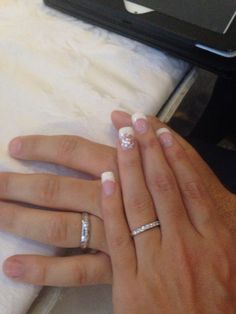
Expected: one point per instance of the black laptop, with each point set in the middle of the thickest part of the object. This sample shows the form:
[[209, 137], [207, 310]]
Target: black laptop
[[202, 32]]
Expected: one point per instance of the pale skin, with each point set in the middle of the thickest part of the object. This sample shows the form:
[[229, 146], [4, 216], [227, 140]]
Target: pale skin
[[62, 228]]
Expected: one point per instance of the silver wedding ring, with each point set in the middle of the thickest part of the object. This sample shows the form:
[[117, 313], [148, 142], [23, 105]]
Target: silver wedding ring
[[146, 227], [85, 231]]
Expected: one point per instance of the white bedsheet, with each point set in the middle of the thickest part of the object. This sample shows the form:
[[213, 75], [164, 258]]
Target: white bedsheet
[[62, 76]]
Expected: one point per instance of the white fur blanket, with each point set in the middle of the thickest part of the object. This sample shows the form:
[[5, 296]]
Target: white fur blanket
[[59, 75]]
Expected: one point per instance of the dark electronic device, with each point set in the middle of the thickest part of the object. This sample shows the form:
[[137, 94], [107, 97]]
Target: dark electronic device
[[202, 32]]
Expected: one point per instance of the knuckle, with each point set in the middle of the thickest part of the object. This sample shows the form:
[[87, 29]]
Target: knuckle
[[139, 204], [163, 182], [193, 190], [177, 154], [155, 122], [50, 189], [67, 148], [111, 160], [176, 214], [130, 163], [32, 145], [149, 143], [57, 231], [185, 256], [118, 241], [7, 217], [81, 275], [5, 180], [41, 275]]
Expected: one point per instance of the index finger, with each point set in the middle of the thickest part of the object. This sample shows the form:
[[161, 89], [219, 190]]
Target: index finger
[[70, 151]]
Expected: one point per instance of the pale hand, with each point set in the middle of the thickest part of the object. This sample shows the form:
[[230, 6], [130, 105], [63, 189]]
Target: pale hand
[[61, 228]]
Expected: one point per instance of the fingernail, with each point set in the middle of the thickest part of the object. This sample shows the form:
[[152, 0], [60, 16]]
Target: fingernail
[[140, 122], [122, 114], [127, 139], [14, 269], [108, 183], [165, 137], [15, 146]]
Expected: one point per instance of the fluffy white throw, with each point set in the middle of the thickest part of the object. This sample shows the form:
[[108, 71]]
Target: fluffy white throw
[[62, 76]]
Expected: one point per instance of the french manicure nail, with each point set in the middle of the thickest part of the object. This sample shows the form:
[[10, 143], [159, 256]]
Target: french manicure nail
[[108, 183], [14, 269], [15, 146], [127, 139], [140, 122], [165, 137]]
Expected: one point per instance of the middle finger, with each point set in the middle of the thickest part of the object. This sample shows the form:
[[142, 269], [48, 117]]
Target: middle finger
[[160, 179], [137, 199]]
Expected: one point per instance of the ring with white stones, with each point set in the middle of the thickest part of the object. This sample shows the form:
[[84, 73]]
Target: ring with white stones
[[85, 231], [145, 228]]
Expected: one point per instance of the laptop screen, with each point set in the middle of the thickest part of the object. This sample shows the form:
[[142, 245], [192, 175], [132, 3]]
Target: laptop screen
[[214, 15]]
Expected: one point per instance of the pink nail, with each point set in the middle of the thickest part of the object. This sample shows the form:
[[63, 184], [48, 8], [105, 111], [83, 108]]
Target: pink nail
[[123, 114], [140, 123], [14, 269], [108, 183], [165, 137], [15, 146]]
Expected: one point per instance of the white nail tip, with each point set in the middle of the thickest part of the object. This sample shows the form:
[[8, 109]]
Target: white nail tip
[[127, 131], [137, 116], [162, 130], [108, 176]]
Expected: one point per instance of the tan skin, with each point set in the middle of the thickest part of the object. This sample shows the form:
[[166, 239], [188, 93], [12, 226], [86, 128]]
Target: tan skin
[[73, 196], [188, 264]]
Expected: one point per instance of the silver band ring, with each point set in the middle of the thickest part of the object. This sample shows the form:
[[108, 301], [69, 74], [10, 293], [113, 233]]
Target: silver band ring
[[145, 228], [85, 231]]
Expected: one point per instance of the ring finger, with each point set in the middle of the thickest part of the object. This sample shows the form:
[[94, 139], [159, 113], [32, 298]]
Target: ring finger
[[61, 229], [137, 199]]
